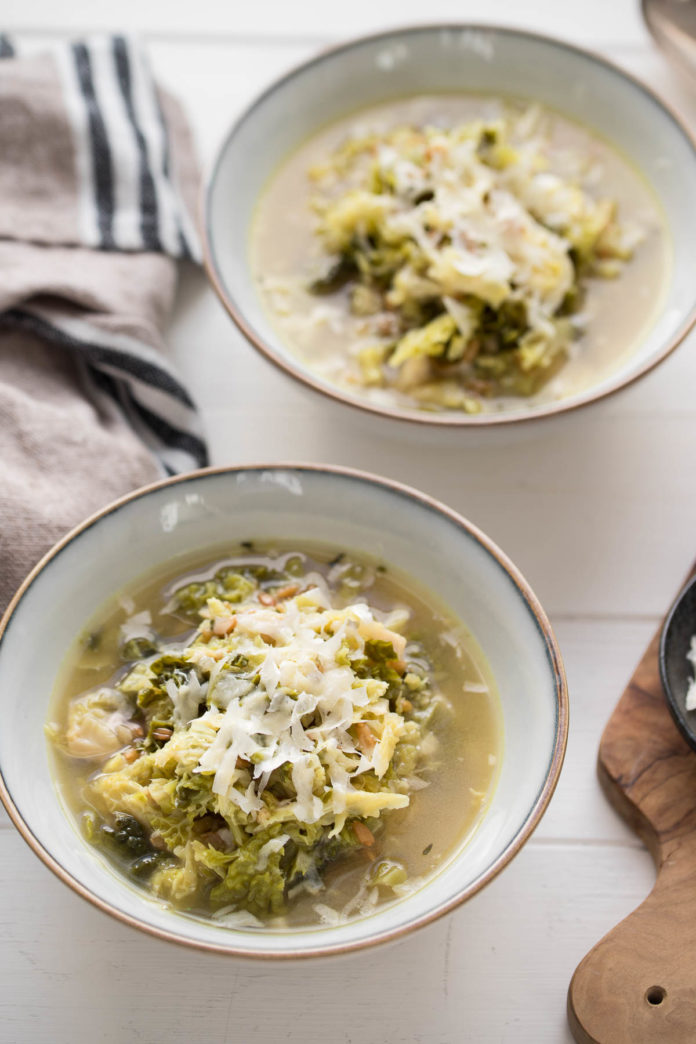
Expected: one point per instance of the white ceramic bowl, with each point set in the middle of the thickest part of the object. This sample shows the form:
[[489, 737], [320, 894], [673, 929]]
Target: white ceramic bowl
[[452, 58], [294, 502]]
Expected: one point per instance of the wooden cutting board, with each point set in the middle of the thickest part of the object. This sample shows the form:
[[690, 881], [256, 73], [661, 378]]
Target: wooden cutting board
[[638, 985]]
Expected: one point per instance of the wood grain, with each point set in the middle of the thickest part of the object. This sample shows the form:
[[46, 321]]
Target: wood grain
[[637, 985]]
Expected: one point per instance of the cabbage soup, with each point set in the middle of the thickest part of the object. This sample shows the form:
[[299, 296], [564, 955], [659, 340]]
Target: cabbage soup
[[276, 736], [459, 253]]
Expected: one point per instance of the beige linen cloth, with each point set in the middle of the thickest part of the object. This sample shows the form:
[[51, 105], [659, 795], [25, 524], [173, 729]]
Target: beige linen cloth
[[96, 178]]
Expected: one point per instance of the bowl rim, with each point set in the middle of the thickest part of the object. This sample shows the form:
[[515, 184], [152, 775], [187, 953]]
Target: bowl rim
[[337, 394], [533, 815], [675, 707]]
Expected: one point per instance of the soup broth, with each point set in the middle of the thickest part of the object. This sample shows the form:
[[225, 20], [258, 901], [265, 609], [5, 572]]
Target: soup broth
[[354, 338], [375, 858]]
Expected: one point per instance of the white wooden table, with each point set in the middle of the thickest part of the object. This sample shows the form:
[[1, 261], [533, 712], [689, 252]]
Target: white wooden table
[[597, 509]]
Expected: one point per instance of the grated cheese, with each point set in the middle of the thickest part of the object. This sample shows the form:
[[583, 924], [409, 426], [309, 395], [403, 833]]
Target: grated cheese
[[691, 691], [299, 709]]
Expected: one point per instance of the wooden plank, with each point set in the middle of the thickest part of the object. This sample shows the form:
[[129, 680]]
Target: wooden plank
[[636, 984], [599, 657], [592, 21], [494, 972], [591, 491], [575, 546]]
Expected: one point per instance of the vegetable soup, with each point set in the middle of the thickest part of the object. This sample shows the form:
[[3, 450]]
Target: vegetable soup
[[459, 253], [276, 737]]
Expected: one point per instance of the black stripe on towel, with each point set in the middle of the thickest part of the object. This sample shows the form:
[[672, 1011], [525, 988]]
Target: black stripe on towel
[[170, 436], [6, 48], [116, 391], [101, 151], [132, 366], [141, 369], [149, 207]]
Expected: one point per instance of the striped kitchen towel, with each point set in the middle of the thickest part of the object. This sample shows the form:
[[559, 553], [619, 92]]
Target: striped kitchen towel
[[98, 180], [100, 95]]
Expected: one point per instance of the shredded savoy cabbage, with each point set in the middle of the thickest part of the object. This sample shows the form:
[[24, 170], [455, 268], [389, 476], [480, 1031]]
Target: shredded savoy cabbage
[[466, 254], [236, 767]]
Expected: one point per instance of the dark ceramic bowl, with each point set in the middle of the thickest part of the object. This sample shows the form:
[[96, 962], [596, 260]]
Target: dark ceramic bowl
[[675, 670]]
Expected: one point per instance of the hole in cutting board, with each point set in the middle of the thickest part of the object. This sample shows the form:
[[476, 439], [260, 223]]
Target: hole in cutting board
[[655, 995]]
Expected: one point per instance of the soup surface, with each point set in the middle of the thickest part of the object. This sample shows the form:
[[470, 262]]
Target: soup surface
[[460, 253], [276, 737]]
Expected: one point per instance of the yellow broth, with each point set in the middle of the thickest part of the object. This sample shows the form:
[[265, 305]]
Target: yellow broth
[[325, 337], [461, 774]]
